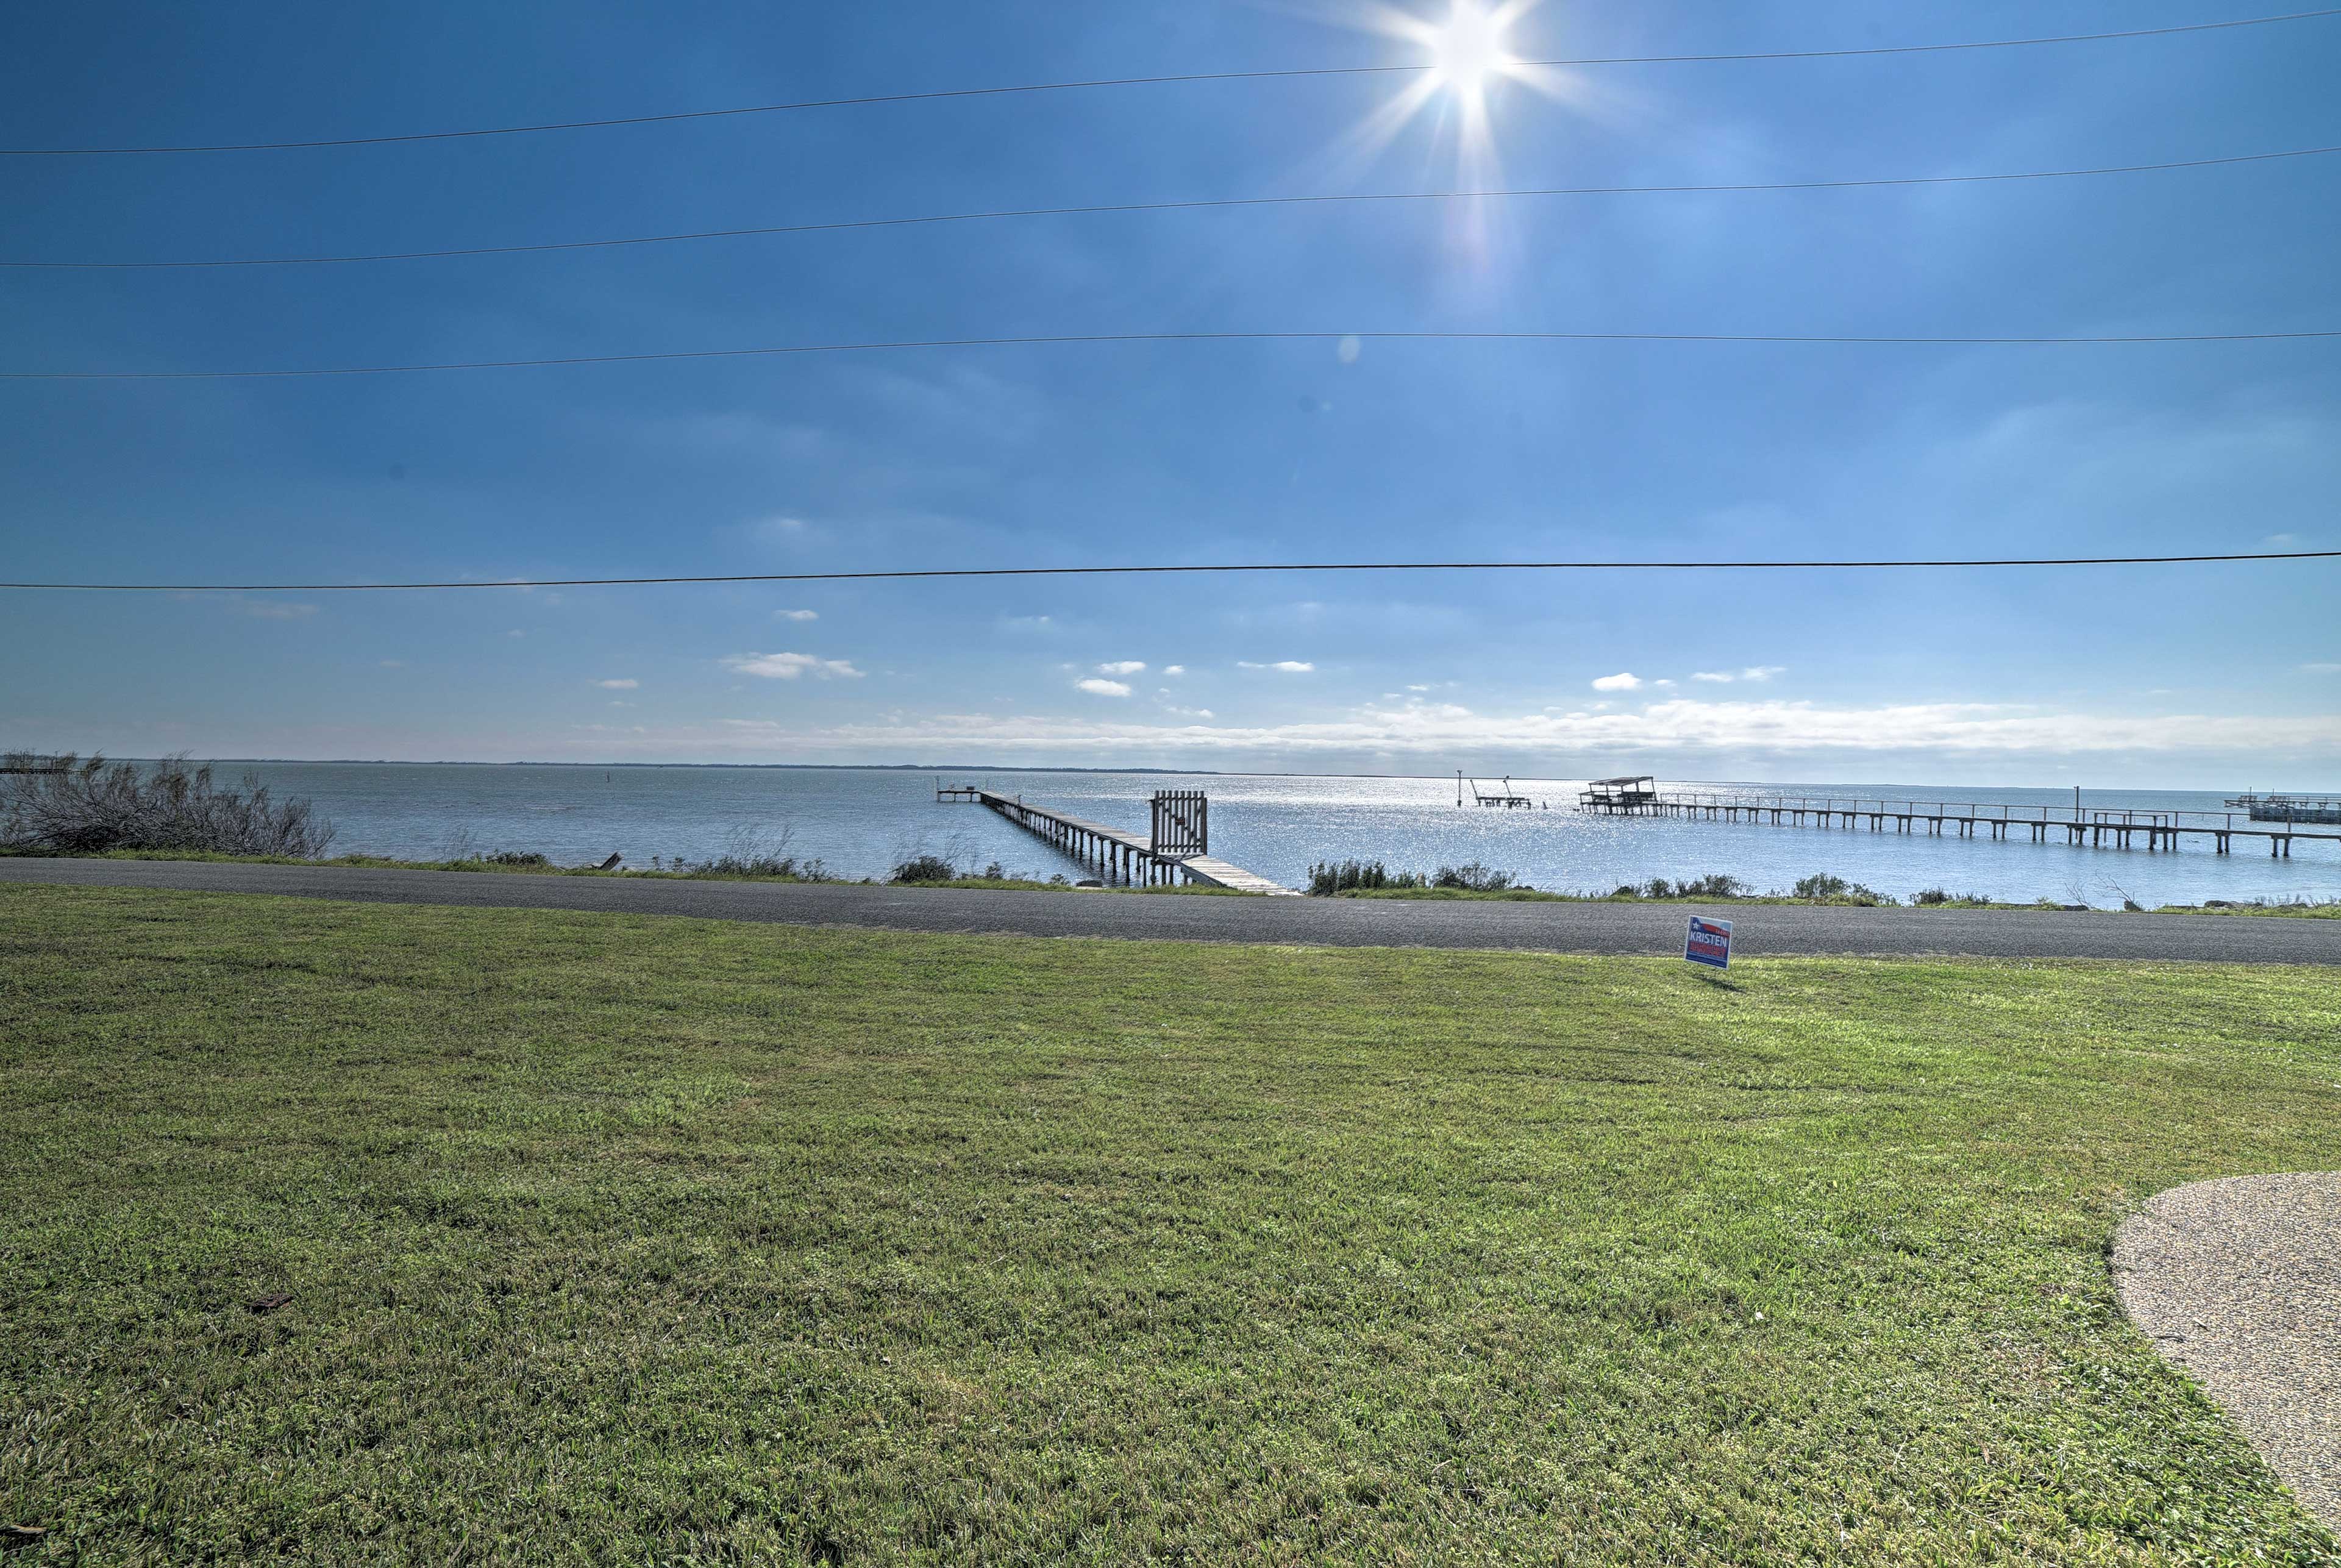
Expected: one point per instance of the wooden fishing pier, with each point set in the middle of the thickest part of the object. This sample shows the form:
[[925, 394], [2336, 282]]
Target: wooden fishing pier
[[2119, 828], [1175, 851]]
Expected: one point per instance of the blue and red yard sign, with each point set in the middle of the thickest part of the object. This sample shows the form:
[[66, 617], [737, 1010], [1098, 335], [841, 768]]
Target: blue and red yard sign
[[1708, 942]]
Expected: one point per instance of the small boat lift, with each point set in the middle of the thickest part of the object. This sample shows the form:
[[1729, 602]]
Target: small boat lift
[[1507, 797]]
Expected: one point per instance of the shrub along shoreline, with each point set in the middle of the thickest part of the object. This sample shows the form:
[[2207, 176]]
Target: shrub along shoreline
[[528, 863], [1372, 879], [509, 864]]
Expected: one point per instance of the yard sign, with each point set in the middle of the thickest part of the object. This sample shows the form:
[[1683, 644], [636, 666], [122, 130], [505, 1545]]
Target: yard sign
[[1708, 942]]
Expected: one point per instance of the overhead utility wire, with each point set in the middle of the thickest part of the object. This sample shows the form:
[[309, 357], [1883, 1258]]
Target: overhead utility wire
[[1195, 76], [1205, 204], [1058, 340], [1171, 571]]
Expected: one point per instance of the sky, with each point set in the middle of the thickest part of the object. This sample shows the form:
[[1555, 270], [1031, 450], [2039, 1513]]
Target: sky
[[2225, 676]]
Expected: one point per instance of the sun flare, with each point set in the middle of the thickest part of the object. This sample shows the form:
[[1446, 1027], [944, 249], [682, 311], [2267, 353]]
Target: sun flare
[[1469, 47], [1465, 59]]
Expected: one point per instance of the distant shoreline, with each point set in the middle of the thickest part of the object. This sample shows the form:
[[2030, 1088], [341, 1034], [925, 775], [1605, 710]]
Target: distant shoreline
[[1446, 777]]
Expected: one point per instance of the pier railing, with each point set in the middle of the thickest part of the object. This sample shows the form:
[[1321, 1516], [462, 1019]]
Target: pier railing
[[2120, 826], [1980, 810]]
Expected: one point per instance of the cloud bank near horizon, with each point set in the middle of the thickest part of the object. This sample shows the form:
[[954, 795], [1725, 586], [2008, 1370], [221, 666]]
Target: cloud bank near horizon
[[1679, 726]]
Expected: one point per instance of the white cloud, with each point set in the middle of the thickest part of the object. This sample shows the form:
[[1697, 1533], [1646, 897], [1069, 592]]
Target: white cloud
[[1662, 683], [1174, 669], [1122, 667], [617, 686], [1101, 688], [1763, 672], [1683, 724], [1189, 712], [796, 614], [789, 666], [1724, 677], [782, 535], [1285, 666], [1622, 682], [1028, 623]]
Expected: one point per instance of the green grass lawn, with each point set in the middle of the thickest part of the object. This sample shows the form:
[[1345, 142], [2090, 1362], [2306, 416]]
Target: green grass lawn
[[619, 1240]]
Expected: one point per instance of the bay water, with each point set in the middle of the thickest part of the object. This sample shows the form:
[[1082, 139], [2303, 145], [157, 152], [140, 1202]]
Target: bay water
[[863, 822]]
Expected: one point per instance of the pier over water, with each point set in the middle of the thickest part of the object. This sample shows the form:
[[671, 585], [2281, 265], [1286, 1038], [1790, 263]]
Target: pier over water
[[1174, 852], [2118, 829]]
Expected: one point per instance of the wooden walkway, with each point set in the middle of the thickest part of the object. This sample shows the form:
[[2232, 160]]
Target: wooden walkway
[[2118, 829], [1125, 859]]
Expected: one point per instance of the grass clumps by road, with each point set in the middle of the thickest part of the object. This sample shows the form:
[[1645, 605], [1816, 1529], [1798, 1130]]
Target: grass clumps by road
[[637, 1240], [1333, 878], [935, 871], [72, 806], [2299, 909], [920, 870], [1373, 879]]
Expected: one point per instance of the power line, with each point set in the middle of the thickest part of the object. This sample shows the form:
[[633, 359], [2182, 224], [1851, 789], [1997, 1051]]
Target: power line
[[973, 572], [1061, 340], [1197, 77], [1207, 203]]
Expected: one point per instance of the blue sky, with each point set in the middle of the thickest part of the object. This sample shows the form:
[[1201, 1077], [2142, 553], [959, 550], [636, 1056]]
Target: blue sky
[[2223, 676]]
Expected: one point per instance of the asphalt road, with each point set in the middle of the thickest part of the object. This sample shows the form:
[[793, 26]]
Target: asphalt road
[[1315, 922]]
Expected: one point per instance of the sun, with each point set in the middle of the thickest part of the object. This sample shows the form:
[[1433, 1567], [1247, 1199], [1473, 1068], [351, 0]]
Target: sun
[[1465, 58], [1468, 48]]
